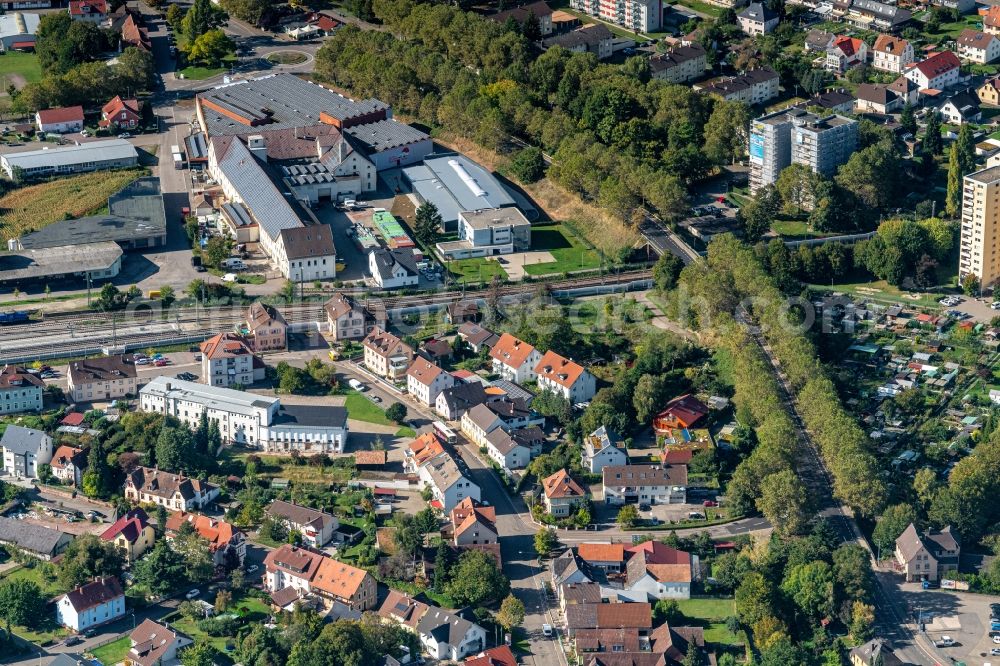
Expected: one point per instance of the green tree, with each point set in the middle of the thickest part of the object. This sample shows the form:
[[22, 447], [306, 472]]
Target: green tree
[[627, 517], [953, 198], [970, 284], [893, 521], [427, 223], [726, 132], [528, 165], [396, 412], [273, 530], [862, 626], [210, 48], [932, 143], [810, 586], [175, 449], [545, 541], [648, 396], [784, 501], [871, 175], [167, 295], [754, 598], [162, 570], [797, 186], [175, 15], [966, 144], [477, 580], [251, 11], [511, 613], [908, 120], [202, 653], [22, 603], [88, 557], [199, 19], [759, 212], [666, 270], [216, 251]]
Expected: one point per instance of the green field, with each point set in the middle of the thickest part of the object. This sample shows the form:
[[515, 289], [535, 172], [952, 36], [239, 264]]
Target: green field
[[361, 408], [50, 587], [196, 73], [113, 652], [475, 271], [711, 614], [795, 229], [24, 65], [569, 252], [702, 7]]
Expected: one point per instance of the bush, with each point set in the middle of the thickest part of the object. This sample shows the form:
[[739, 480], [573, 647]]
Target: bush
[[528, 165]]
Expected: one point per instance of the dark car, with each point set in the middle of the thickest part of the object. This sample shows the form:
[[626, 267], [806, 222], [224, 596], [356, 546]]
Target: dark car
[[644, 507], [200, 269], [73, 640]]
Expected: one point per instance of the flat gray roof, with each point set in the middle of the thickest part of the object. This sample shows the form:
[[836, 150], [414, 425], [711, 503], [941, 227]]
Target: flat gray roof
[[484, 219], [93, 151], [385, 134], [210, 396], [454, 183], [279, 101], [986, 176], [136, 211], [36, 263]]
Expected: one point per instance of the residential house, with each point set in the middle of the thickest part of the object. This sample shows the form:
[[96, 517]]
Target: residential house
[[609, 616], [757, 19], [228, 361], [679, 64], [68, 464], [348, 320], [539, 10], [832, 101], [513, 412], [174, 492], [226, 542], [907, 90], [316, 527], [875, 652], [476, 336], [645, 484], [602, 448], [514, 359], [40, 542], [891, 54], [608, 557], [872, 14], [498, 656], [594, 646], [978, 47], [989, 92], [443, 634], [121, 114], [960, 109], [846, 53], [991, 20], [586, 592], [337, 582], [561, 494], [155, 645], [386, 355], [92, 604], [927, 556], [937, 72], [565, 378], [591, 38], [683, 412], [449, 480], [753, 87], [473, 524], [877, 98], [420, 450], [61, 120], [568, 570], [265, 329], [452, 403], [393, 268], [104, 378], [425, 381], [20, 391], [132, 534], [818, 41], [674, 643], [657, 571], [461, 311], [24, 449], [506, 451], [94, 11], [134, 34], [290, 567]]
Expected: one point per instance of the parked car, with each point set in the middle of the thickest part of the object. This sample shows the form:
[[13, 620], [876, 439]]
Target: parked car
[[252, 568], [945, 641], [995, 652], [160, 362], [124, 135], [229, 277], [73, 640], [192, 594], [547, 630], [710, 503], [696, 515], [142, 361], [644, 507]]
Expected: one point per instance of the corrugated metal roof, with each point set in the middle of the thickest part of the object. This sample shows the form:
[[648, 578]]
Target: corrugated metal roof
[[386, 134], [454, 183], [94, 151], [267, 205]]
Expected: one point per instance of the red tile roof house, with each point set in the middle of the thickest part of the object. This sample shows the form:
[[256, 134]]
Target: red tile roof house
[[63, 120], [97, 602], [135, 35], [562, 493], [94, 11], [121, 114], [657, 571], [685, 411]]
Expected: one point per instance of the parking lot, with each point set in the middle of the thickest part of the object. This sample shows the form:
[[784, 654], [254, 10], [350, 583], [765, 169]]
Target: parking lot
[[960, 616]]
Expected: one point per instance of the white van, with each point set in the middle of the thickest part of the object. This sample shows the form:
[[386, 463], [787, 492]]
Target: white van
[[356, 385], [229, 277], [234, 263]]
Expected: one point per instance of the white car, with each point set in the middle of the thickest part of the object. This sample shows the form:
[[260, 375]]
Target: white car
[[945, 641], [142, 361], [229, 277], [192, 594], [996, 639], [995, 305], [547, 630]]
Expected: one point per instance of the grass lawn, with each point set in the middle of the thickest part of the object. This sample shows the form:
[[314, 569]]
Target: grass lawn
[[32, 207], [951, 30], [475, 271], [702, 7], [24, 65], [569, 252], [880, 290], [711, 614], [196, 73], [113, 652], [795, 229], [362, 409], [50, 588]]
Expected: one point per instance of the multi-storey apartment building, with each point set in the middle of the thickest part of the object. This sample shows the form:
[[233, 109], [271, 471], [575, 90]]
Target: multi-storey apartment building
[[797, 136], [891, 54], [20, 391], [636, 15], [980, 224], [227, 360]]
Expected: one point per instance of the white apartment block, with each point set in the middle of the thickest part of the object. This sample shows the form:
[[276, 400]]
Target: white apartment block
[[636, 15], [102, 378], [891, 54], [425, 381], [20, 391], [980, 226]]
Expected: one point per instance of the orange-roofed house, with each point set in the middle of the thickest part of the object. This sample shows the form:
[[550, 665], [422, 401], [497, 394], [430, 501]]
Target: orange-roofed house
[[561, 493], [93, 11], [227, 360], [473, 523], [891, 54], [565, 377], [226, 542], [425, 381], [684, 411], [120, 114], [607, 556], [68, 464], [513, 359], [420, 450], [292, 567], [61, 120], [134, 34], [991, 20], [341, 582], [660, 572], [845, 53], [498, 656]]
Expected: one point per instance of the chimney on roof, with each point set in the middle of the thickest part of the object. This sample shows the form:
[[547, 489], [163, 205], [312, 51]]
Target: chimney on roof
[[257, 146]]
